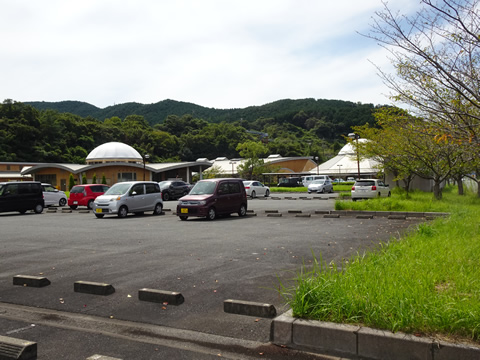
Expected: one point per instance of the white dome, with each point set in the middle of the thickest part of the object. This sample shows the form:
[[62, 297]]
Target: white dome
[[114, 151]]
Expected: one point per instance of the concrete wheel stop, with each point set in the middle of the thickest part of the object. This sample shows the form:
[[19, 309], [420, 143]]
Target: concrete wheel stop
[[94, 288], [11, 348], [161, 296], [249, 308], [32, 281]]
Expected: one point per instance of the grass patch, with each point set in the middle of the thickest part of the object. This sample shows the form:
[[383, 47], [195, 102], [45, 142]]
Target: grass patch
[[427, 282], [288, 189]]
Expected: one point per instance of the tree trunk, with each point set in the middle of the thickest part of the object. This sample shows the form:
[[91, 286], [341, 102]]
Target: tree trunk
[[459, 180], [437, 192]]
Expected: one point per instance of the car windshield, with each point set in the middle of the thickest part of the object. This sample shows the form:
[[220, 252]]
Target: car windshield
[[164, 184], [118, 189], [203, 188]]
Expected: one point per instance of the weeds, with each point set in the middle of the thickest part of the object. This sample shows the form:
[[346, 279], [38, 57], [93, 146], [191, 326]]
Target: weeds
[[426, 282]]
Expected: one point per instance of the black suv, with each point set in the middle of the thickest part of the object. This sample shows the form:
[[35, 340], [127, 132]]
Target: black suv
[[290, 182], [174, 189], [21, 196]]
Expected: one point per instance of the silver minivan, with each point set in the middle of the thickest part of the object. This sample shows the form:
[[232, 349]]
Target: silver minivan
[[129, 197]]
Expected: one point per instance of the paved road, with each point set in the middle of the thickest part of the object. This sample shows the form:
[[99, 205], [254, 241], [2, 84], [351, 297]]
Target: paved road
[[208, 262]]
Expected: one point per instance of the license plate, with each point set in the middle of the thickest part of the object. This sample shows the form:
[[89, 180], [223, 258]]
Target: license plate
[[75, 202], [98, 210], [184, 211]]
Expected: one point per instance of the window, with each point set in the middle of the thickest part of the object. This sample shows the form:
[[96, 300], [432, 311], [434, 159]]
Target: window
[[127, 176], [47, 178], [152, 188], [138, 189], [234, 187]]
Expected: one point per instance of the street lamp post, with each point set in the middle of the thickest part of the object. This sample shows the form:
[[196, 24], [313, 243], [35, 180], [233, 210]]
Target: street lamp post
[[339, 169], [145, 158], [355, 136], [232, 163], [316, 160]]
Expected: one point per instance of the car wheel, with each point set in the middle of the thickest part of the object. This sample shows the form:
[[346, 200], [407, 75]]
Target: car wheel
[[122, 212], [389, 194], [323, 191], [99, 216], [243, 210], [90, 205], [158, 209], [212, 214], [183, 218], [267, 193], [73, 207], [38, 209], [309, 192], [354, 199], [253, 194], [62, 202], [22, 211], [166, 196]]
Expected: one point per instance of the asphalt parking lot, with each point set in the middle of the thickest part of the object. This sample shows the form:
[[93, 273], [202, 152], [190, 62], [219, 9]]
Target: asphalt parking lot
[[207, 261]]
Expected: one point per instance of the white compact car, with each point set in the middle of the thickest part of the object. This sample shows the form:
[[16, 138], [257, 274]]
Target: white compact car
[[53, 196], [320, 186], [370, 188], [129, 197]]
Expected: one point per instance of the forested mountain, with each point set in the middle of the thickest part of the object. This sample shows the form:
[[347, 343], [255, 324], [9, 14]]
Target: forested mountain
[[331, 111], [171, 131]]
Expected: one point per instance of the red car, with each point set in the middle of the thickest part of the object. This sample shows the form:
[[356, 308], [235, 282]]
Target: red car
[[83, 195]]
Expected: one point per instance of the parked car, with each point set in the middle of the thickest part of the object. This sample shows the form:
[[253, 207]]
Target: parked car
[[21, 196], [129, 197], [338, 181], [290, 182], [84, 195], [174, 189], [307, 180], [369, 188], [213, 197], [320, 186], [53, 196], [254, 188]]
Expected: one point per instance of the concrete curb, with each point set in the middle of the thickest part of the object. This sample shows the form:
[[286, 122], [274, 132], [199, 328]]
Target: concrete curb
[[365, 343], [101, 357]]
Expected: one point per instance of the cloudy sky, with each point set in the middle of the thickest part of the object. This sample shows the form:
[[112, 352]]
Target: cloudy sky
[[214, 53]]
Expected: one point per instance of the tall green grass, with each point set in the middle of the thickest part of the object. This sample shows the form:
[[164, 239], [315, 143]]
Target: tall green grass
[[427, 282]]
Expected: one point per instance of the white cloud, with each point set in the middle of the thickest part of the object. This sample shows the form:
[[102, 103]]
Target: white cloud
[[213, 53]]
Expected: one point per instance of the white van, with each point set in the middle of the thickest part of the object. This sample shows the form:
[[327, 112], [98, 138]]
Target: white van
[[306, 180]]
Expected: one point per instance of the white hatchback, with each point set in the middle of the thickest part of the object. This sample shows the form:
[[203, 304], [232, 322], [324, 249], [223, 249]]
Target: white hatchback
[[369, 189], [53, 196]]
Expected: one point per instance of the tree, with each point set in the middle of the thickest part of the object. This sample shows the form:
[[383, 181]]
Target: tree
[[71, 182], [104, 180], [409, 145], [84, 179], [94, 178], [436, 54], [253, 165]]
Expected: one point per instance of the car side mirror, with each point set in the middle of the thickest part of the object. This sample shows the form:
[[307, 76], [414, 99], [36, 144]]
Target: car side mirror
[[133, 193]]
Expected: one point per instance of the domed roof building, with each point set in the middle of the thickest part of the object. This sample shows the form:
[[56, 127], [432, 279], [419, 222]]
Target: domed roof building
[[114, 152]]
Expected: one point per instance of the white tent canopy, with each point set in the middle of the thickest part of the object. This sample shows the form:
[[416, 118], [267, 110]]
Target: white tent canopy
[[346, 164]]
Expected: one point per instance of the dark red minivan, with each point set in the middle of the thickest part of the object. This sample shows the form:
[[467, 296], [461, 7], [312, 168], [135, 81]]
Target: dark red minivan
[[212, 197], [83, 195]]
